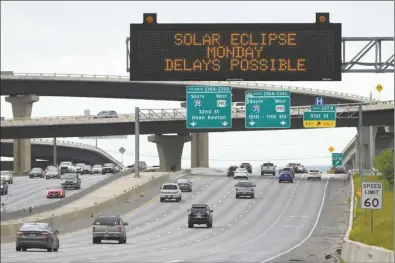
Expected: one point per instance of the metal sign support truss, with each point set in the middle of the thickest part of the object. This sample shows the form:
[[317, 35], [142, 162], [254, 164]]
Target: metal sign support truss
[[379, 64]]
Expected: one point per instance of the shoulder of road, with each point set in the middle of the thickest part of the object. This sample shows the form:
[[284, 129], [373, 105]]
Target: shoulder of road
[[111, 190]]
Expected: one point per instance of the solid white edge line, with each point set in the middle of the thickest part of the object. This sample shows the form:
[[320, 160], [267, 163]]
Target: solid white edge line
[[311, 231]]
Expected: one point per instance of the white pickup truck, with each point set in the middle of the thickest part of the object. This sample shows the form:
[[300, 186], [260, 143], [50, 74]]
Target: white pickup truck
[[268, 168], [66, 167], [170, 191]]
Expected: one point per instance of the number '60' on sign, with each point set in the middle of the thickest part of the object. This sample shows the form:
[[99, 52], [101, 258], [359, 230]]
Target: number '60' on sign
[[372, 195]]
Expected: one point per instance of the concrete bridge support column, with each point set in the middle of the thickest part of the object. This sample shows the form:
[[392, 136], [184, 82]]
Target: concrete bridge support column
[[368, 150], [170, 149], [199, 148], [22, 108]]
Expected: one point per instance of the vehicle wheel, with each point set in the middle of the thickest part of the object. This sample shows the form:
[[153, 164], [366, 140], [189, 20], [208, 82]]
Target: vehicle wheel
[[237, 197], [190, 225], [292, 182], [274, 174], [279, 181], [261, 173], [96, 241], [162, 200], [210, 225], [18, 249], [308, 178], [125, 240], [24, 249], [252, 196], [49, 249], [190, 190], [57, 248], [120, 241], [319, 179]]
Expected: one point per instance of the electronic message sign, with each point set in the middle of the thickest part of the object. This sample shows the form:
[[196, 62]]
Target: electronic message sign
[[248, 52]]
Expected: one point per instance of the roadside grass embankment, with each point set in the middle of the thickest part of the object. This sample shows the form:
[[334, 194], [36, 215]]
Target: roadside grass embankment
[[383, 220]]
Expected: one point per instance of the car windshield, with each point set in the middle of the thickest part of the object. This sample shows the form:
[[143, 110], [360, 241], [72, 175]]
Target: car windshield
[[103, 113], [268, 164], [52, 168], [70, 176], [34, 227], [5, 172], [314, 171], [109, 165], [245, 164], [36, 170], [287, 169], [65, 163], [170, 187], [80, 165], [107, 221], [244, 184], [292, 164], [285, 172], [183, 181], [97, 166]]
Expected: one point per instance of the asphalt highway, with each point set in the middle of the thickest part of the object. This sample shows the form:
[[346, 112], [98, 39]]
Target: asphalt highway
[[244, 230], [26, 192]]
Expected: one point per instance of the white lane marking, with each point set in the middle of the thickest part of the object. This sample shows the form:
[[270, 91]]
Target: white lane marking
[[214, 206], [165, 215], [169, 233], [174, 261], [173, 210], [222, 229], [92, 258], [311, 231], [157, 219]]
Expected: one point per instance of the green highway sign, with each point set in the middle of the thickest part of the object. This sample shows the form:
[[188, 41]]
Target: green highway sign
[[319, 119], [337, 159], [323, 108], [209, 107], [268, 109]]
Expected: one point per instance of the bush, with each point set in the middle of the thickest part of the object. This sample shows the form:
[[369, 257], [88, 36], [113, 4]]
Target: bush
[[384, 163]]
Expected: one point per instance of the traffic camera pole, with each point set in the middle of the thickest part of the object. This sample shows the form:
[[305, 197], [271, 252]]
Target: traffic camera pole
[[360, 150], [137, 142]]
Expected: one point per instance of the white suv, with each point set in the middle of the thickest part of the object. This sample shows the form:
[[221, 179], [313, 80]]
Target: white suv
[[170, 191]]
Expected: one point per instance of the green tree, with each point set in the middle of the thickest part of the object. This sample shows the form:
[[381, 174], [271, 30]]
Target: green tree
[[384, 162]]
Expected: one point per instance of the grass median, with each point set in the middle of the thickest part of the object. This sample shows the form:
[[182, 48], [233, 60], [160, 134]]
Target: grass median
[[383, 220]]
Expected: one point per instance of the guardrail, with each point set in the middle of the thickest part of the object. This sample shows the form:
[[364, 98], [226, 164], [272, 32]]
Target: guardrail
[[77, 145], [343, 111], [119, 78]]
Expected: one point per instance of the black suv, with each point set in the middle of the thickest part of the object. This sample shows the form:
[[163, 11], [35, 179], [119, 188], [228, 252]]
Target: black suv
[[247, 166], [108, 168], [200, 215], [231, 170]]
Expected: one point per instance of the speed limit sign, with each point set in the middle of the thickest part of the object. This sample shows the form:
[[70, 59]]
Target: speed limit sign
[[372, 195]]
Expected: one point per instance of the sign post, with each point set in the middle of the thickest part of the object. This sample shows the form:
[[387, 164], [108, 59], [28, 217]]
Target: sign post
[[209, 107], [268, 109], [320, 116], [337, 159], [122, 151], [379, 88], [372, 198]]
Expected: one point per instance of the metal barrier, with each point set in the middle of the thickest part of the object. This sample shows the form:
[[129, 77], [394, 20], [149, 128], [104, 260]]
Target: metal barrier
[[94, 77]]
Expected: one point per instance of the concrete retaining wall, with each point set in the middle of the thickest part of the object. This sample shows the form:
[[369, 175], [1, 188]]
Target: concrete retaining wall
[[9, 230], [356, 252]]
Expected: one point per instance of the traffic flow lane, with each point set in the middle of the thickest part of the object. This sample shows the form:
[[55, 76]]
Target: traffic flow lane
[[26, 192], [242, 214]]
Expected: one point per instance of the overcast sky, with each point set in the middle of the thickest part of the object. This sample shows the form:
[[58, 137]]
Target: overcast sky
[[89, 38]]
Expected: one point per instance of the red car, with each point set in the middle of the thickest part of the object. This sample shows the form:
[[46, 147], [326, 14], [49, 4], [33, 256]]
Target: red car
[[56, 192]]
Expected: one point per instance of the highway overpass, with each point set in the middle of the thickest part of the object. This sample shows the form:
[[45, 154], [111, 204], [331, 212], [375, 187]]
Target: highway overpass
[[383, 138], [65, 151], [114, 86], [109, 86], [168, 121]]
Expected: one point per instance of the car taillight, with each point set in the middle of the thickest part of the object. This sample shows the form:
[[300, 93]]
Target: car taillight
[[119, 229], [44, 233], [19, 233], [93, 229]]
